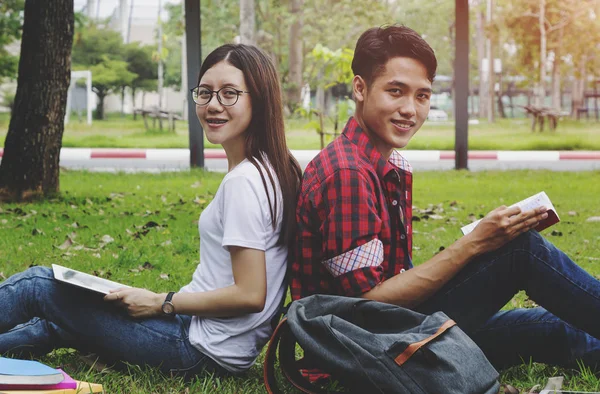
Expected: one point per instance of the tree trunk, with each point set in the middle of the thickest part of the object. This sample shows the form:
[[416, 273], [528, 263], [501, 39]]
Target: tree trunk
[[577, 94], [133, 107], [30, 166], [556, 91], [295, 57], [480, 40], [541, 95], [490, 56], [100, 105], [247, 22]]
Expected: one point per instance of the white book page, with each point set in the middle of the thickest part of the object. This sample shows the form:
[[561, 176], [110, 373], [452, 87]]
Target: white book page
[[535, 201], [86, 281]]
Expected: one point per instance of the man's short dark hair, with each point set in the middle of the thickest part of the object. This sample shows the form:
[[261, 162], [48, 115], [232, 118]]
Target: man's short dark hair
[[379, 44]]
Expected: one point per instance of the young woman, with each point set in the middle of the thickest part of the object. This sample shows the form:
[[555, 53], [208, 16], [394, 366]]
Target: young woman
[[221, 320]]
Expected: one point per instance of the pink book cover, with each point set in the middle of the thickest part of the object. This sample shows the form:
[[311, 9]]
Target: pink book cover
[[67, 383]]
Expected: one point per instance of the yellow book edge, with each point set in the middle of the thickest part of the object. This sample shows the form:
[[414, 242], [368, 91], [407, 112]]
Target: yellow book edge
[[82, 388]]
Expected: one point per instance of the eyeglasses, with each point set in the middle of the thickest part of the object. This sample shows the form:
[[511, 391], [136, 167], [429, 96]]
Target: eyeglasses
[[227, 96]]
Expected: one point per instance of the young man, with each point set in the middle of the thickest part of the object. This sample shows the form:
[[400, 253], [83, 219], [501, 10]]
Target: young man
[[354, 233]]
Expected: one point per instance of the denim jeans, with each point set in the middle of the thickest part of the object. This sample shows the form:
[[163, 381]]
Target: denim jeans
[[565, 329], [40, 314]]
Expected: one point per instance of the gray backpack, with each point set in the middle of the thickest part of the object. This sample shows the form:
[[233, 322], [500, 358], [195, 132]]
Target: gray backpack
[[373, 347]]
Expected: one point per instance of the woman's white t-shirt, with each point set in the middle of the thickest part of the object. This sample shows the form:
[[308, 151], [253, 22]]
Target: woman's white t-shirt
[[239, 215]]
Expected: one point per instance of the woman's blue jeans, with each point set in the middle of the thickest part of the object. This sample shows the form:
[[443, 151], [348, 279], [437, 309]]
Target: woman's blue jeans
[[565, 329], [40, 314]]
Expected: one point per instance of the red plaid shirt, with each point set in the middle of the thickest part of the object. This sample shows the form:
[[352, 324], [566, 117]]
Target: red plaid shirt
[[352, 204]]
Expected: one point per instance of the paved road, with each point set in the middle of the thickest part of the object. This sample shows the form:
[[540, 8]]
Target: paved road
[[157, 160]]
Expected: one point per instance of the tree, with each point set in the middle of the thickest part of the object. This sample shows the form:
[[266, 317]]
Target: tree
[[294, 84], [140, 62], [247, 22], [552, 29], [11, 21], [102, 51], [107, 77], [30, 166]]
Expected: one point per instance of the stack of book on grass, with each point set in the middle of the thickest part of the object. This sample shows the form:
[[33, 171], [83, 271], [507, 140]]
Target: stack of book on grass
[[29, 377]]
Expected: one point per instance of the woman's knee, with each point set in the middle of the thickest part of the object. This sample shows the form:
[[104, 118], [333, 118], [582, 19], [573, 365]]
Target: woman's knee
[[39, 271]]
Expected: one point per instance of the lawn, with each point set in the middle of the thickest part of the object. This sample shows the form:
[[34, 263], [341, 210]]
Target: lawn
[[506, 134], [153, 219]]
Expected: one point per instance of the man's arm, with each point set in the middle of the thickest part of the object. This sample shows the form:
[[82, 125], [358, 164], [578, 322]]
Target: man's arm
[[416, 285]]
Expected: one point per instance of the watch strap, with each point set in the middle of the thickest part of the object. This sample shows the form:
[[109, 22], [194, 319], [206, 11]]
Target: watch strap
[[169, 296]]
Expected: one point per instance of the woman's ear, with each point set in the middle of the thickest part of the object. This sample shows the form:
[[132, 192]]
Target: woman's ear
[[359, 88]]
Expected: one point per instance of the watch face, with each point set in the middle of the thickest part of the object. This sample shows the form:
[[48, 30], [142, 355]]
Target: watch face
[[168, 308]]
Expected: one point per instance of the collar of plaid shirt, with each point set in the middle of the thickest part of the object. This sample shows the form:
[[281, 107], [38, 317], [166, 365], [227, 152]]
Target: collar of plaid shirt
[[356, 134]]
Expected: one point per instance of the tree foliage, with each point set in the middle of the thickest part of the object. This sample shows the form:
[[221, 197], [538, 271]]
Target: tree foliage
[[11, 24]]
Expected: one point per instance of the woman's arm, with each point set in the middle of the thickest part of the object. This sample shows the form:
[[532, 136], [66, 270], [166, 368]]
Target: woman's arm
[[246, 295]]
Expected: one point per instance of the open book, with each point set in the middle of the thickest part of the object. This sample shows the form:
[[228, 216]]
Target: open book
[[86, 281], [535, 201]]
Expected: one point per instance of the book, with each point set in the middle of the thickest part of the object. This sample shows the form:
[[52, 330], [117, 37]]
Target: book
[[66, 383], [15, 371], [82, 388], [537, 200], [83, 280]]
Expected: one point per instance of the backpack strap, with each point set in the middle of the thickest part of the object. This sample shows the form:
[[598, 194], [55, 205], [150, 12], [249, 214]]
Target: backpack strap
[[284, 337]]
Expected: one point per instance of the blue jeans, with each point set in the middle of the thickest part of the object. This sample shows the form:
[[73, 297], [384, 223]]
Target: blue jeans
[[40, 314], [565, 329]]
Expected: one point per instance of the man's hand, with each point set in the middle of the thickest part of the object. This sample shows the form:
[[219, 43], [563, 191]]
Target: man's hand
[[503, 225], [139, 303]]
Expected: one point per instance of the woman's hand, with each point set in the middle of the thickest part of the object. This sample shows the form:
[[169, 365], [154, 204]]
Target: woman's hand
[[139, 303], [502, 225]]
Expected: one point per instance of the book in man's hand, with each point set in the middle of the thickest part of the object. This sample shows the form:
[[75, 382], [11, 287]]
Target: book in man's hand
[[27, 372], [83, 280], [536, 201]]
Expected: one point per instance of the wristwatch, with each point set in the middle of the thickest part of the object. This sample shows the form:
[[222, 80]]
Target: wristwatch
[[167, 307]]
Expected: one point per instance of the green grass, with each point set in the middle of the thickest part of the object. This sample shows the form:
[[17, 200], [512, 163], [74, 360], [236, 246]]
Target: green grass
[[92, 205], [506, 134]]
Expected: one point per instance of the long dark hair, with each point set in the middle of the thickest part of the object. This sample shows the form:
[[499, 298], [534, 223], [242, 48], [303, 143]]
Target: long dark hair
[[265, 137]]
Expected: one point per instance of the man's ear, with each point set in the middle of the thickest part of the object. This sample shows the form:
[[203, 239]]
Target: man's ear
[[359, 88]]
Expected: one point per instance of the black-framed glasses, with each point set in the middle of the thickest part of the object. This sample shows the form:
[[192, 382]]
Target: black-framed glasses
[[227, 95]]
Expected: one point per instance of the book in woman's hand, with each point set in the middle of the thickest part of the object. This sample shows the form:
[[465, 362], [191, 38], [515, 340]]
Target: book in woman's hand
[[83, 280], [536, 201]]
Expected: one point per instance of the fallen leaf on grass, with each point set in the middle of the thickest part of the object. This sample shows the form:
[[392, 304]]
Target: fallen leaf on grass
[[166, 243], [102, 274], [593, 219], [2, 276], [75, 225], [199, 201], [140, 268], [151, 224], [572, 213], [97, 255], [67, 244], [106, 239], [164, 276]]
